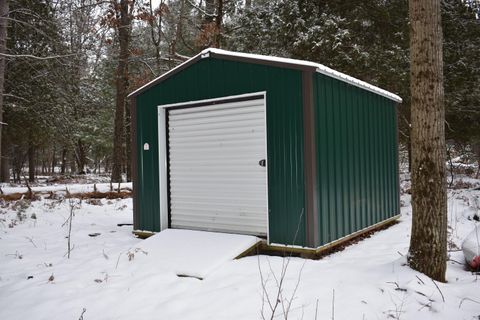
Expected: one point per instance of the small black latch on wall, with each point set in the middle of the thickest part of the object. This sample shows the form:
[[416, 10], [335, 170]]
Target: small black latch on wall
[[262, 163]]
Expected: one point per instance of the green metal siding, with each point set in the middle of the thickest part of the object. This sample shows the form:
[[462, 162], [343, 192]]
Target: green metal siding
[[356, 153], [212, 78]]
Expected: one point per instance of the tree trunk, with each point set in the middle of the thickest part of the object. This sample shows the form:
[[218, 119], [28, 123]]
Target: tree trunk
[[218, 24], [81, 156], [18, 163], [178, 31], [128, 143], [54, 159], [156, 31], [121, 87], [64, 161], [43, 161], [73, 162], [409, 151], [3, 47], [209, 11], [31, 163], [428, 243], [5, 163], [476, 150]]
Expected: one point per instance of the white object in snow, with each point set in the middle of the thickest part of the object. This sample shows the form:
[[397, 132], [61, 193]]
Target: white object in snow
[[194, 253], [471, 248]]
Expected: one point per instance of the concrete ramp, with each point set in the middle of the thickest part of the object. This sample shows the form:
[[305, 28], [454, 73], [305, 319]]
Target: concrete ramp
[[194, 253]]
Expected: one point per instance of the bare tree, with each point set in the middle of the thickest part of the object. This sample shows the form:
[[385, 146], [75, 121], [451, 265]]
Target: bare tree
[[3, 46], [123, 16], [428, 244]]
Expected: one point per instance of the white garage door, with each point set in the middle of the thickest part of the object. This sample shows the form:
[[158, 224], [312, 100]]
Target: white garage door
[[217, 177]]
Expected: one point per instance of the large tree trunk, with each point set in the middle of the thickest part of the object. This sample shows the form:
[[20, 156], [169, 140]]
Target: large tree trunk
[[428, 243], [3, 46], [121, 87]]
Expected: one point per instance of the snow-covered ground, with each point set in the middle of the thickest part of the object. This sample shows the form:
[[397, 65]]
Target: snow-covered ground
[[111, 276], [72, 188]]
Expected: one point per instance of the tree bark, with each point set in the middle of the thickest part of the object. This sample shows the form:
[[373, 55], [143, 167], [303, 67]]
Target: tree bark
[[54, 159], [178, 30], [476, 150], [73, 162], [5, 164], [121, 88], [81, 156], [31, 163], [64, 161], [428, 243], [218, 24], [128, 144], [156, 31], [3, 47], [44, 161], [209, 10]]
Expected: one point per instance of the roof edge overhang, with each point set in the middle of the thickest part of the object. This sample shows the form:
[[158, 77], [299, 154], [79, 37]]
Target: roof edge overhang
[[271, 61]]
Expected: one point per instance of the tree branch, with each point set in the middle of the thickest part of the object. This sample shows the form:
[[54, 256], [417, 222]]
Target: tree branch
[[35, 57]]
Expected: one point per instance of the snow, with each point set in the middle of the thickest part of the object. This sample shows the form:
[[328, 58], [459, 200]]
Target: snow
[[319, 68], [194, 253], [114, 275], [72, 188]]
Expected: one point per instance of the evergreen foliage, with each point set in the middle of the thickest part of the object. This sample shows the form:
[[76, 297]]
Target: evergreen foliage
[[63, 107]]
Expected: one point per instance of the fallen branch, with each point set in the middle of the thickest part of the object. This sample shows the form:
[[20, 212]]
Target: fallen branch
[[31, 240], [443, 298], [83, 312], [468, 299]]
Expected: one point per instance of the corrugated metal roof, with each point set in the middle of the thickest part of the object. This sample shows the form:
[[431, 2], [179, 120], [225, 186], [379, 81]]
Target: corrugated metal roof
[[285, 62]]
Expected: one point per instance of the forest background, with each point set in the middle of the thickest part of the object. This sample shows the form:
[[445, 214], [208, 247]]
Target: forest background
[[69, 66]]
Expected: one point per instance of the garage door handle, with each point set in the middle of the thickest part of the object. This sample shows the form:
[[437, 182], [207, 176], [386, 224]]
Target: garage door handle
[[262, 163]]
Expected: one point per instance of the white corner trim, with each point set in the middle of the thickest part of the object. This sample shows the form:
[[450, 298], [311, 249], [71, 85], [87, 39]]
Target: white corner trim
[[162, 168]]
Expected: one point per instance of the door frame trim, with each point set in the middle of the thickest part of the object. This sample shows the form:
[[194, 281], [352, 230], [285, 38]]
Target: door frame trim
[[163, 145]]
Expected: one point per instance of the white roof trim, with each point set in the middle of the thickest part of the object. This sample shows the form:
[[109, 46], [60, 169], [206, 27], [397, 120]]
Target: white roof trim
[[320, 68]]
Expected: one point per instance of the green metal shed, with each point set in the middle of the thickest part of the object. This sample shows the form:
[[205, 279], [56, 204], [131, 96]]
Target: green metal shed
[[285, 149]]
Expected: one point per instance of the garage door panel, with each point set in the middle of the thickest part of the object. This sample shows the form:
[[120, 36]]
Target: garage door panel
[[220, 125], [215, 191], [212, 139], [214, 111], [207, 121], [216, 182], [215, 146], [218, 130]]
